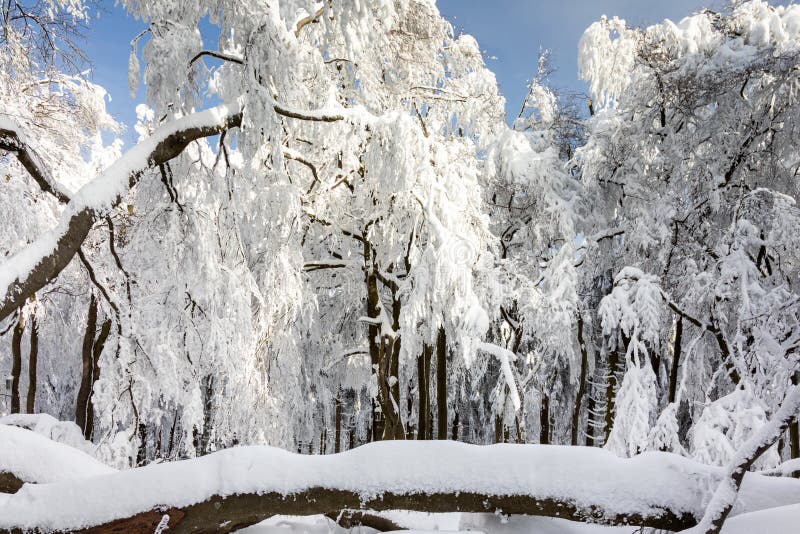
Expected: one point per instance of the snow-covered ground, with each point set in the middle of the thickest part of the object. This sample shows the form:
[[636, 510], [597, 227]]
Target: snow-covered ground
[[780, 520]]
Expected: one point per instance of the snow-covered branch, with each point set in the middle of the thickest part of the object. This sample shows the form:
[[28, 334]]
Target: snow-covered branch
[[33, 267], [12, 140], [725, 496]]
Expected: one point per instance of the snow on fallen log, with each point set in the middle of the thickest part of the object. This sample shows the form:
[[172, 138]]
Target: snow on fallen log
[[31, 457], [241, 486]]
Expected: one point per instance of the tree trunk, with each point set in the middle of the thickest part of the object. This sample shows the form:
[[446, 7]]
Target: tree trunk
[[33, 363], [576, 414], [324, 494], [82, 406], [16, 362], [394, 388], [794, 431], [591, 406], [386, 420], [611, 390], [208, 405], [423, 393], [441, 384], [499, 429], [97, 350], [374, 342], [544, 419], [337, 435], [676, 360]]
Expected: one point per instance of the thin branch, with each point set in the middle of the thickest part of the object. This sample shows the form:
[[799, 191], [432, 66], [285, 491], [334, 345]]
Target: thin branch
[[219, 55]]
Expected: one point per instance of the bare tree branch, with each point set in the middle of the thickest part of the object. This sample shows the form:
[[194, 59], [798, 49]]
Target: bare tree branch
[[11, 141]]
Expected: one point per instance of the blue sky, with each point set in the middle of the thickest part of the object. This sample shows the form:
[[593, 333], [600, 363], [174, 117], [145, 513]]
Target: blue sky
[[511, 33]]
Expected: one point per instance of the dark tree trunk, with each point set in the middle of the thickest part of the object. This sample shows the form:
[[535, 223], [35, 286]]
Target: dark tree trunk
[[394, 389], [141, 454], [230, 513], [676, 360], [386, 420], [16, 362], [576, 414], [374, 343], [441, 385], [794, 431], [97, 350], [423, 392], [87, 370], [499, 429], [33, 363], [454, 436], [590, 408], [337, 435], [544, 419]]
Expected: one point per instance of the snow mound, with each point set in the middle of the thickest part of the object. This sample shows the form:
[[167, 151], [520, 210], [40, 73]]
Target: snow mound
[[65, 432], [34, 458]]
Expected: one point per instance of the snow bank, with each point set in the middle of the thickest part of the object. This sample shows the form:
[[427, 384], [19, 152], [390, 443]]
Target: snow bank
[[645, 484], [34, 458], [783, 519], [65, 432]]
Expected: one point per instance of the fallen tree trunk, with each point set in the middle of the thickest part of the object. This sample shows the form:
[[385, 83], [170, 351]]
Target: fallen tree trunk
[[9, 483], [227, 514], [242, 486]]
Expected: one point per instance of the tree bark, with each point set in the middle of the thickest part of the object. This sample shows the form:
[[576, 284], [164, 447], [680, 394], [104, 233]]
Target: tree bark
[[33, 363], [441, 384], [16, 361], [9, 482], [227, 514], [794, 430], [676, 360], [576, 414], [337, 434], [82, 406], [544, 419], [349, 519], [423, 393]]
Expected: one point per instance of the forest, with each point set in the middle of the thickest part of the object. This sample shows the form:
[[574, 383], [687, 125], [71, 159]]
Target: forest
[[333, 286]]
